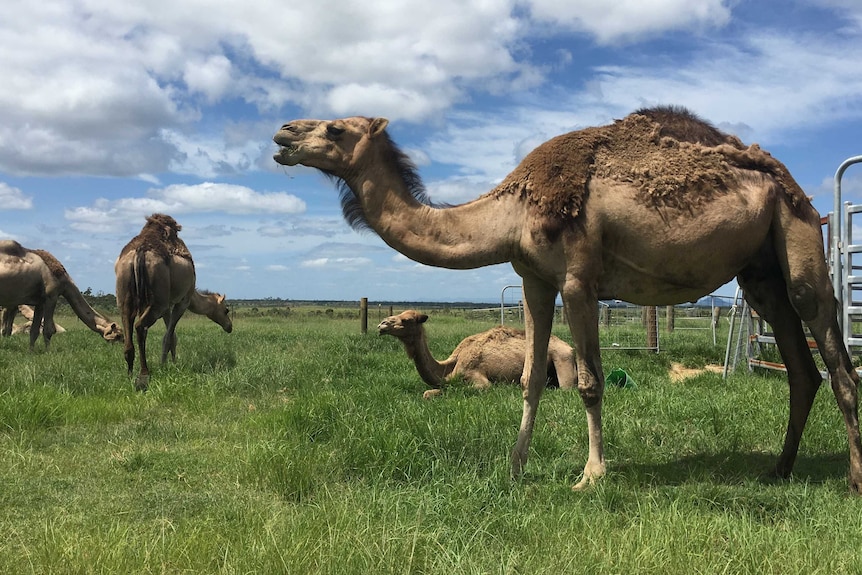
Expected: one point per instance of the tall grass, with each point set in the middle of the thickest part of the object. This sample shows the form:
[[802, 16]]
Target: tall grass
[[298, 445]]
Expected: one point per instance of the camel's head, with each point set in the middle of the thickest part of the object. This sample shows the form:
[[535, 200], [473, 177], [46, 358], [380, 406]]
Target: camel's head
[[328, 145], [405, 324], [111, 331], [221, 314]]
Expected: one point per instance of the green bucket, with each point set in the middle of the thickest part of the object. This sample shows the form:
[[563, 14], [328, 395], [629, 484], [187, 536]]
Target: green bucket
[[620, 378]]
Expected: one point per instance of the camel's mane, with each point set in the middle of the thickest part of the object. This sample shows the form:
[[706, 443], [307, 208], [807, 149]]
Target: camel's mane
[[403, 166], [160, 235]]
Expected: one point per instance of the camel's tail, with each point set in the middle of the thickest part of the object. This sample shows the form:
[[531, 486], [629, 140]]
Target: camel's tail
[[141, 297]]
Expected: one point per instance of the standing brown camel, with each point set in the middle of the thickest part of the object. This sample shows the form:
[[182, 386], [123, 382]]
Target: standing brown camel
[[655, 209], [156, 279], [37, 278], [494, 355]]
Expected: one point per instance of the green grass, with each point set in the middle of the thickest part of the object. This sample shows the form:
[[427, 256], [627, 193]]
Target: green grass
[[298, 445]]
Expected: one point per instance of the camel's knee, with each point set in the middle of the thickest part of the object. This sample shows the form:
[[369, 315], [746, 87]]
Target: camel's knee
[[590, 388], [804, 299]]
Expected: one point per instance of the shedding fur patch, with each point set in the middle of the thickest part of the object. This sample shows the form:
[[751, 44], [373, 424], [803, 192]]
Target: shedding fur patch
[[672, 158], [160, 235], [12, 248]]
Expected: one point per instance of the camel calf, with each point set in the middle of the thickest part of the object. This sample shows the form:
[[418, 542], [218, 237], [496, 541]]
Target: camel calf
[[494, 355]]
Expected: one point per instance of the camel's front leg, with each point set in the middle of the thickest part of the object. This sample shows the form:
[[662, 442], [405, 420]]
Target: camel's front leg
[[581, 303], [538, 317], [8, 319], [36, 325], [47, 321]]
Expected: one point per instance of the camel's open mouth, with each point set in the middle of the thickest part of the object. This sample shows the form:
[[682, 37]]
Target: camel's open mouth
[[287, 155]]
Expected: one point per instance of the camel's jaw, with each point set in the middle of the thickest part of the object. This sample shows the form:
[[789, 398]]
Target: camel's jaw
[[287, 155]]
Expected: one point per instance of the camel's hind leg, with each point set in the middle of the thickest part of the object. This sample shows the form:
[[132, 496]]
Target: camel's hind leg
[[766, 292], [142, 326], [799, 246], [538, 317]]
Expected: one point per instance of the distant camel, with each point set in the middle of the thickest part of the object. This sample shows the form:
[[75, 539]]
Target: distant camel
[[657, 208], [497, 354], [156, 279], [37, 278]]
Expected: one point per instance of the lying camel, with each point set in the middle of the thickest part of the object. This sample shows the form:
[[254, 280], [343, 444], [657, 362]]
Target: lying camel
[[494, 355], [27, 311], [37, 278]]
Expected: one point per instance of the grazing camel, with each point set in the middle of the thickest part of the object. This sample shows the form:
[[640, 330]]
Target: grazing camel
[[494, 355], [37, 278], [658, 208], [156, 279]]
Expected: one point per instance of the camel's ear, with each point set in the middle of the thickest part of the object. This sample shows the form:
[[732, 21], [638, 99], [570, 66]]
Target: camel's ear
[[220, 299], [422, 318], [377, 126]]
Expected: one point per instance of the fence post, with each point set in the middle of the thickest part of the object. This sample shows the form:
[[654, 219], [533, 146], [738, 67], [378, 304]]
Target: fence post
[[670, 318], [651, 327], [363, 315]]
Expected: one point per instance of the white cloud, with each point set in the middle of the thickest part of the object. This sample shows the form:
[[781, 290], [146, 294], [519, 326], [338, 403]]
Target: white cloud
[[628, 20], [211, 77], [336, 262], [12, 198], [112, 215]]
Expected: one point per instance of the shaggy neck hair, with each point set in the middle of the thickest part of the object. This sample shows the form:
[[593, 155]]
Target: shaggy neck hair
[[395, 160]]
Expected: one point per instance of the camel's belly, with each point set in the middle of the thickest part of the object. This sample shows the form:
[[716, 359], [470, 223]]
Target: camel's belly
[[15, 290], [666, 256]]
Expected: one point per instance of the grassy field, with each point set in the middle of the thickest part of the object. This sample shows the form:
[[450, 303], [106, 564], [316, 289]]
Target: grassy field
[[297, 445]]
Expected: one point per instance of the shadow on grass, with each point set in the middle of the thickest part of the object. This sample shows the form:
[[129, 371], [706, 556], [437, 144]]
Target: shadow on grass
[[734, 468]]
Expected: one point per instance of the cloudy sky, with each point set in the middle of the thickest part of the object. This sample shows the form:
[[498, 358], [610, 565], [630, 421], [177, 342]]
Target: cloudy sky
[[110, 111]]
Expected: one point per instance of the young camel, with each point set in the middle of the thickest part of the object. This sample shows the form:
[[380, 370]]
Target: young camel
[[36, 278], [497, 354], [656, 209], [156, 279]]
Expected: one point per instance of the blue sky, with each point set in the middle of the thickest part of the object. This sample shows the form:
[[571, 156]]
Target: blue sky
[[110, 111]]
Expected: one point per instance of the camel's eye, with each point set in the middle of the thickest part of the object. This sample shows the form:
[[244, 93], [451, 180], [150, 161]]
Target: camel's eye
[[333, 130]]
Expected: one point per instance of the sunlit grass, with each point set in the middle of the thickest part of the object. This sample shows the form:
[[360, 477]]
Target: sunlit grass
[[299, 445]]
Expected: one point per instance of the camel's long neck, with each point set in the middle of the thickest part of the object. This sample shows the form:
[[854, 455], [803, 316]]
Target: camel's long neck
[[199, 304], [480, 233], [91, 318], [430, 370]]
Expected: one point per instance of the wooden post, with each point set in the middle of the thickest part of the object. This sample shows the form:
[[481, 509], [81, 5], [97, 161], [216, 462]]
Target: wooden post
[[363, 315], [606, 316], [670, 318], [651, 327]]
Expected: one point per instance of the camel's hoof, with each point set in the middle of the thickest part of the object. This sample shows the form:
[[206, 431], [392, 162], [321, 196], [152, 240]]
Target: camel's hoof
[[142, 383], [592, 473]]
